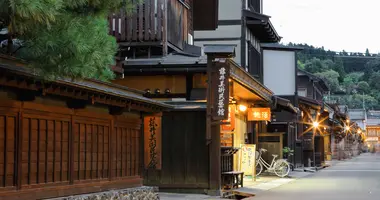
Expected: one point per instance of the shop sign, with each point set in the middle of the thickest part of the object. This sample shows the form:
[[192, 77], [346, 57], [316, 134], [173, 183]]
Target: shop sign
[[247, 159], [259, 114], [220, 90], [230, 126], [152, 142]]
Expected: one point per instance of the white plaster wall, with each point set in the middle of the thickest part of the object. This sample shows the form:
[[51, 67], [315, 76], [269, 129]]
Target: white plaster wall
[[279, 71]]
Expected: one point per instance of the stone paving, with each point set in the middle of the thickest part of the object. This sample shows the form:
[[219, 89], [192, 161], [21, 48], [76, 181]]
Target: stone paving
[[351, 179]]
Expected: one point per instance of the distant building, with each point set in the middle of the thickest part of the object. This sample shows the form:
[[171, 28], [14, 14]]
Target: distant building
[[359, 116]]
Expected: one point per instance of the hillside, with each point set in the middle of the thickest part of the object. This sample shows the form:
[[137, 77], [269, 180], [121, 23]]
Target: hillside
[[353, 77]]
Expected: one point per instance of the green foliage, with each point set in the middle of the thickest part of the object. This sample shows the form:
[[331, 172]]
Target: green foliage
[[315, 65], [65, 49], [287, 151], [331, 78], [374, 80], [356, 101], [363, 87], [353, 73], [64, 38], [300, 64]]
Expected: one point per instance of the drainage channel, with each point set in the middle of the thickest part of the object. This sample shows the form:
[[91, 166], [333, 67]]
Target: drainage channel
[[232, 194]]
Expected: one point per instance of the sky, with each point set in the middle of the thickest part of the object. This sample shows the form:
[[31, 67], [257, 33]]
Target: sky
[[351, 25]]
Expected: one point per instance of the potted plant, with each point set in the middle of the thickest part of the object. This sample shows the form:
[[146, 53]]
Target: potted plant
[[286, 151]]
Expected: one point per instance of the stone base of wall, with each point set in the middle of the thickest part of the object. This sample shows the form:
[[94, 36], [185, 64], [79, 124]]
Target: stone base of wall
[[146, 193]]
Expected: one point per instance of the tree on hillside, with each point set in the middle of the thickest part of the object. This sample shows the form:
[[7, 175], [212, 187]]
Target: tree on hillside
[[351, 81], [356, 101], [62, 38], [367, 52], [370, 67], [315, 65], [374, 82], [331, 79], [363, 87]]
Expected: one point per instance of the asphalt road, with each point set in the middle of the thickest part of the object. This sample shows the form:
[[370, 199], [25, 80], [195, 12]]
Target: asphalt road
[[354, 179]]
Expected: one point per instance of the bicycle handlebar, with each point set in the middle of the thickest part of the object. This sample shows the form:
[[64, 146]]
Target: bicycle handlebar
[[263, 150]]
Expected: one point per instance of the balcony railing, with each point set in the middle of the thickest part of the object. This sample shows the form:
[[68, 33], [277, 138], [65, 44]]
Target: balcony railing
[[144, 24], [152, 21]]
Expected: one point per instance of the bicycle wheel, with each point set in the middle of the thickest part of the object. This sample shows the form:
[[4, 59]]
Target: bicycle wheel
[[281, 168], [259, 168]]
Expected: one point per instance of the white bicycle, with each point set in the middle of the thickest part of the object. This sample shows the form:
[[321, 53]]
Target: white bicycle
[[280, 167]]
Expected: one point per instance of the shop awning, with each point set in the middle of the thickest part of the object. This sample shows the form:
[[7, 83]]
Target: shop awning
[[310, 102], [285, 104]]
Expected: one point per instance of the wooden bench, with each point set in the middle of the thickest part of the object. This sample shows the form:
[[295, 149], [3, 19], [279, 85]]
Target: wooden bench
[[232, 179]]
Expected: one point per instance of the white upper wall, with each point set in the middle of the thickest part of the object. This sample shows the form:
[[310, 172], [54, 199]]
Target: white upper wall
[[224, 34], [229, 9], [279, 71], [231, 31]]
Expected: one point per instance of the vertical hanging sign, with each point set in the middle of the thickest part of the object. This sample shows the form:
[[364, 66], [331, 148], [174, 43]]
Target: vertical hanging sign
[[152, 142], [220, 91]]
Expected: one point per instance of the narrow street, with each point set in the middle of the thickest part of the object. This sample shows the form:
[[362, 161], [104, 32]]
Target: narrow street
[[358, 178]]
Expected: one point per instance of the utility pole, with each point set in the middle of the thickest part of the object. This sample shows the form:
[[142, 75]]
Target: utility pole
[[363, 102]]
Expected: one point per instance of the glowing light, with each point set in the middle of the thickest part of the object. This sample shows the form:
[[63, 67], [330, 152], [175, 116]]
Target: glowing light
[[315, 124], [242, 108], [359, 131], [347, 128]]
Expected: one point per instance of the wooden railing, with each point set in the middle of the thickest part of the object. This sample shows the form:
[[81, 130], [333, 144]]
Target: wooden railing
[[152, 21], [177, 23], [144, 24]]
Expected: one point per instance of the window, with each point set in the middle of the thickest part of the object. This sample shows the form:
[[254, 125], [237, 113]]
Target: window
[[254, 61], [255, 5], [302, 92]]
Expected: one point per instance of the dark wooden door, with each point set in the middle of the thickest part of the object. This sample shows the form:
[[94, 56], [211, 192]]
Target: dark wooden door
[[185, 155]]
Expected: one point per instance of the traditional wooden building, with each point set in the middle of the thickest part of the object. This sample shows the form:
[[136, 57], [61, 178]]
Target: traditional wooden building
[[162, 60], [280, 75], [184, 85], [65, 137], [311, 90]]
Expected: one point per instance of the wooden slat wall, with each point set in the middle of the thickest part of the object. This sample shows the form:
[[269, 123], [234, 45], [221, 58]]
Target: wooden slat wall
[[45, 150], [8, 132], [59, 146], [125, 144], [144, 24], [91, 150]]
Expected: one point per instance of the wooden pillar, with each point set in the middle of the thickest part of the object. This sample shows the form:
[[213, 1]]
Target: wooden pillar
[[213, 138], [18, 173], [215, 165]]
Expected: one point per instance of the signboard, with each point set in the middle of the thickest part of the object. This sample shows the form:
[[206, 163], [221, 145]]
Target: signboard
[[372, 139], [220, 90], [247, 159], [259, 114], [152, 142], [230, 120]]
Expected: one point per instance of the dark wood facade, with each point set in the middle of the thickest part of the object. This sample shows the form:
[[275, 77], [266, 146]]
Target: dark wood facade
[[185, 161], [49, 151], [64, 137]]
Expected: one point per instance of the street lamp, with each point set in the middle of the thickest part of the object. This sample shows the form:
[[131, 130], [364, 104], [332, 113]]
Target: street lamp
[[242, 107]]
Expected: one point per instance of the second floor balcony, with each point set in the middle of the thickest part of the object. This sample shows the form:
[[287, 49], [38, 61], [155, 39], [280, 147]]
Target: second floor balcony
[[153, 22]]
